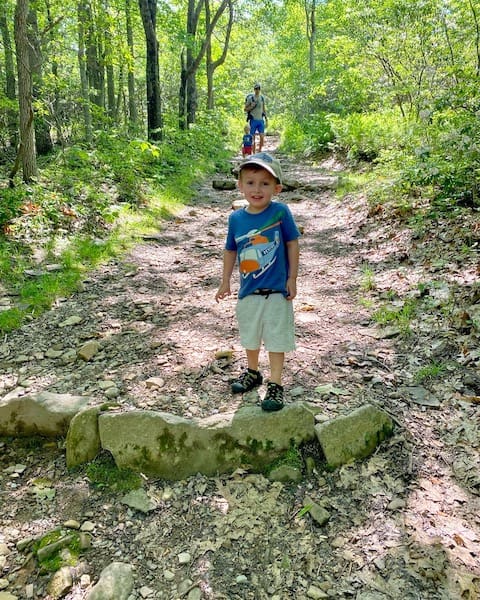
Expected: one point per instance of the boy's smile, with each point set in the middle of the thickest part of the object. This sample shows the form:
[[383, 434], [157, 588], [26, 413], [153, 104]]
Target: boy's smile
[[258, 186]]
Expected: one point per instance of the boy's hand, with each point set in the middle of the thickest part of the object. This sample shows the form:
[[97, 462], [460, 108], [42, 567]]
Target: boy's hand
[[291, 288], [223, 291]]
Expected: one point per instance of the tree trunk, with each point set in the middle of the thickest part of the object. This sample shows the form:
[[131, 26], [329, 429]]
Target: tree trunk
[[148, 11], [10, 85], [27, 131], [94, 60], [132, 104], [43, 139], [211, 64], [87, 117], [310, 15], [188, 85], [56, 112], [110, 73]]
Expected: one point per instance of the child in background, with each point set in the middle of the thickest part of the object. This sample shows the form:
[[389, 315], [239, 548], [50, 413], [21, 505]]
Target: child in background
[[247, 142]]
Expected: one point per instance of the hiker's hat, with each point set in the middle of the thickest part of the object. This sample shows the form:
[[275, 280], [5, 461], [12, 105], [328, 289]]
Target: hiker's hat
[[257, 86], [263, 159]]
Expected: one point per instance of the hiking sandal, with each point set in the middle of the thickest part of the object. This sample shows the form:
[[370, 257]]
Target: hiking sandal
[[247, 381], [273, 400]]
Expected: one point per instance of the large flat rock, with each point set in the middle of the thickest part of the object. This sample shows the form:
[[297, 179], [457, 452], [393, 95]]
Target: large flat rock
[[353, 436], [44, 413], [165, 445]]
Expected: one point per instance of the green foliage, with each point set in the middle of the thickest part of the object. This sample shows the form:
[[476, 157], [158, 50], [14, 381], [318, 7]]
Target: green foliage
[[11, 205], [66, 555], [366, 136], [308, 137], [291, 457], [103, 473], [447, 158], [431, 371], [399, 315], [368, 278]]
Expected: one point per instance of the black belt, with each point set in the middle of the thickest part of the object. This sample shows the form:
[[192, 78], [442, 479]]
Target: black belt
[[265, 292]]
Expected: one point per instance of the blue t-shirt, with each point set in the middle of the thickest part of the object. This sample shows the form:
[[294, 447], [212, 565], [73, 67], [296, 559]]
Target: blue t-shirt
[[260, 243], [248, 140]]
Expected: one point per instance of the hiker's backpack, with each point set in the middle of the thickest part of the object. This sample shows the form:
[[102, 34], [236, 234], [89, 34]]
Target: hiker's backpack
[[249, 100]]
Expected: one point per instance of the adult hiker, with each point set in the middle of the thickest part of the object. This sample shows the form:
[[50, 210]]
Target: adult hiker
[[256, 115]]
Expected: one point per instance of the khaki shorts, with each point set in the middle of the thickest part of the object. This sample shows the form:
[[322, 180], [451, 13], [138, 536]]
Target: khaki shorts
[[268, 319]]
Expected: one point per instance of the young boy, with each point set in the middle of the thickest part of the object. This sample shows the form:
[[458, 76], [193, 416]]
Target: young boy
[[247, 142], [264, 237]]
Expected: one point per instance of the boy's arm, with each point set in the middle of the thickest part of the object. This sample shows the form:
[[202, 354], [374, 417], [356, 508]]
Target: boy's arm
[[293, 253], [229, 257]]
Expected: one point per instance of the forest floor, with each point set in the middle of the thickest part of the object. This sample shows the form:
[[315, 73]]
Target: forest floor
[[403, 523]]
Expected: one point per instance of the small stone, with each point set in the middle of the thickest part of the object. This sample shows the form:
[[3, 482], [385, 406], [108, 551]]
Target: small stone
[[106, 384], [184, 558], [316, 593], [60, 583], [168, 575], [184, 585], [296, 391], [51, 353], [73, 320], [72, 524], [241, 579], [319, 514], [396, 503], [195, 594], [154, 383], [85, 540], [87, 526], [88, 350]]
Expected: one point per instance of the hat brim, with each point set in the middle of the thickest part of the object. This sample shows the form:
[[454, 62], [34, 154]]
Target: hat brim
[[260, 163]]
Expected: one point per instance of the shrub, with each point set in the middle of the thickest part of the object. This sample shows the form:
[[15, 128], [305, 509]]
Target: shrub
[[364, 136], [308, 137]]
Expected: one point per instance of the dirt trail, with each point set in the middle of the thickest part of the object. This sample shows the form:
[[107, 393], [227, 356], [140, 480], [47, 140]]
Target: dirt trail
[[401, 523]]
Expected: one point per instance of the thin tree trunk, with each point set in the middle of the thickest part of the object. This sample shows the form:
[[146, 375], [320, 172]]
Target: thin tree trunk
[[87, 117], [310, 15], [94, 61], [43, 139], [27, 131], [55, 109], [10, 84], [148, 10], [132, 104], [211, 64], [188, 86]]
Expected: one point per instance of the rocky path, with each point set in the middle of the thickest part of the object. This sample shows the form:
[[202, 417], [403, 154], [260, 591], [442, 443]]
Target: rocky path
[[405, 522]]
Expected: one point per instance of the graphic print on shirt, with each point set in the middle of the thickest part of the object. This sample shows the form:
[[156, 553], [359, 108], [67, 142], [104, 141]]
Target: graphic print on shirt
[[259, 253]]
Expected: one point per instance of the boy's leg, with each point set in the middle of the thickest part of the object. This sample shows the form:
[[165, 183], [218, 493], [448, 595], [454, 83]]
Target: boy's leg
[[252, 359], [276, 360], [251, 378], [273, 400], [260, 143]]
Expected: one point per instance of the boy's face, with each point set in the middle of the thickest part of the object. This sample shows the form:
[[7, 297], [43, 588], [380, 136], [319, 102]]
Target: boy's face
[[258, 186]]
